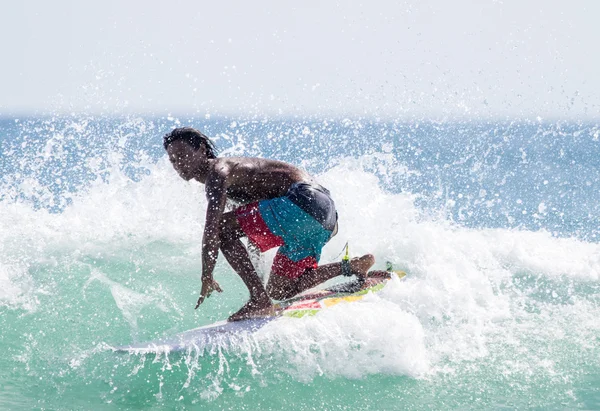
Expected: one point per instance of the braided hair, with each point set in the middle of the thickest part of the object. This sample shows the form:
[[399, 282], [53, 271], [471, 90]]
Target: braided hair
[[193, 137]]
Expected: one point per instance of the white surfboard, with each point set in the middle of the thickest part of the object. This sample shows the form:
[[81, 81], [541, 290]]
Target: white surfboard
[[306, 304]]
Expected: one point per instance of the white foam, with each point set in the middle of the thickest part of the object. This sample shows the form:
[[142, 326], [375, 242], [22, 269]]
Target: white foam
[[450, 306], [16, 288], [372, 336], [129, 302]]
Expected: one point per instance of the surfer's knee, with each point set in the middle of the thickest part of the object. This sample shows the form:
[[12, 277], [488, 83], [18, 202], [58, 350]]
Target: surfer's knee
[[369, 259]]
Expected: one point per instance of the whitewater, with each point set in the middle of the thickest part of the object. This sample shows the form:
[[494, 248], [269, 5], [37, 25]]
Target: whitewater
[[495, 222]]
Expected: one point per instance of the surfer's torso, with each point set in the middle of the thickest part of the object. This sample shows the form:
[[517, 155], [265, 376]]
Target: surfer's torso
[[252, 179]]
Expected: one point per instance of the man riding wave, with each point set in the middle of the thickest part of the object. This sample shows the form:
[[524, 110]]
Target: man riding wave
[[282, 206]]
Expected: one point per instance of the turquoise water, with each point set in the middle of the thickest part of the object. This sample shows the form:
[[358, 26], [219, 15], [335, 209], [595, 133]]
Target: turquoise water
[[495, 223]]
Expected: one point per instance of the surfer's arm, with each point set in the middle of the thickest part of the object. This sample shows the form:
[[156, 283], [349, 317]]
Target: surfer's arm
[[215, 192], [216, 195]]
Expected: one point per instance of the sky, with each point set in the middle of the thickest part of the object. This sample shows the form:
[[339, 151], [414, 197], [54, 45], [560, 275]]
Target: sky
[[398, 59]]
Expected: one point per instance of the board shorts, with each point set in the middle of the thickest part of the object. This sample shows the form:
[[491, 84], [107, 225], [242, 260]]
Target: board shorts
[[299, 223]]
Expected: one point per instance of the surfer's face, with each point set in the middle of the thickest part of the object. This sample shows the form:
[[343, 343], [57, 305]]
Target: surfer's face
[[185, 159]]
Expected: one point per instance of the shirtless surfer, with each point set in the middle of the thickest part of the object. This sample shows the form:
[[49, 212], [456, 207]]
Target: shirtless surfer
[[282, 207]]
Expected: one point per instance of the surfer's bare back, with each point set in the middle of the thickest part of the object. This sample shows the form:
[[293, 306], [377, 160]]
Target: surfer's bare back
[[281, 206]]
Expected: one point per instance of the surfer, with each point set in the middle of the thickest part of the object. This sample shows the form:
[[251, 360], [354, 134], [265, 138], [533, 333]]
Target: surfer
[[280, 206]]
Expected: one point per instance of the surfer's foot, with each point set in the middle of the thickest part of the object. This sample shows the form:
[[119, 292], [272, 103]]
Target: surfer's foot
[[253, 308], [360, 265], [380, 274]]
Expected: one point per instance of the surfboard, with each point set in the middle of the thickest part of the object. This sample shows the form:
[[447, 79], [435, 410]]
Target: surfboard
[[308, 303]]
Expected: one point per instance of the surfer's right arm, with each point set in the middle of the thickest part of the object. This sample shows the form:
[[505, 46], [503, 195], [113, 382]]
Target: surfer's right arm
[[216, 190]]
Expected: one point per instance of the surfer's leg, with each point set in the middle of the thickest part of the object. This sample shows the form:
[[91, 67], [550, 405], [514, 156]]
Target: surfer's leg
[[237, 256], [280, 287]]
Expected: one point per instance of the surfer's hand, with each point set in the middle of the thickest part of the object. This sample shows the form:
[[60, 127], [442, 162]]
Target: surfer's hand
[[208, 286]]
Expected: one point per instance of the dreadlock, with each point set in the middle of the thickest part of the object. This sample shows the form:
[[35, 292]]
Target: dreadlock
[[193, 137]]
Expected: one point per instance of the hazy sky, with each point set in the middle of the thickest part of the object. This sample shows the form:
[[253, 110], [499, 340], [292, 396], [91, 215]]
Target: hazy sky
[[480, 58]]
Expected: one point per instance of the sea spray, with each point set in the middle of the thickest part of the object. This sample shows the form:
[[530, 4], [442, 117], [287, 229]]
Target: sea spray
[[100, 246]]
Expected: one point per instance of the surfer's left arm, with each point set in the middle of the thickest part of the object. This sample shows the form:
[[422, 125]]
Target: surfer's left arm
[[216, 190]]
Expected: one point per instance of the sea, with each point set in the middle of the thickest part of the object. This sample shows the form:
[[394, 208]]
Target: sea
[[495, 222]]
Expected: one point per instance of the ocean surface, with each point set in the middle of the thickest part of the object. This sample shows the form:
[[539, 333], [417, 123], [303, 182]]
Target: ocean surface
[[497, 224]]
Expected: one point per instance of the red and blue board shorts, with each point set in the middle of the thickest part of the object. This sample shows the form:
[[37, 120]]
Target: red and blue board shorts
[[299, 223]]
